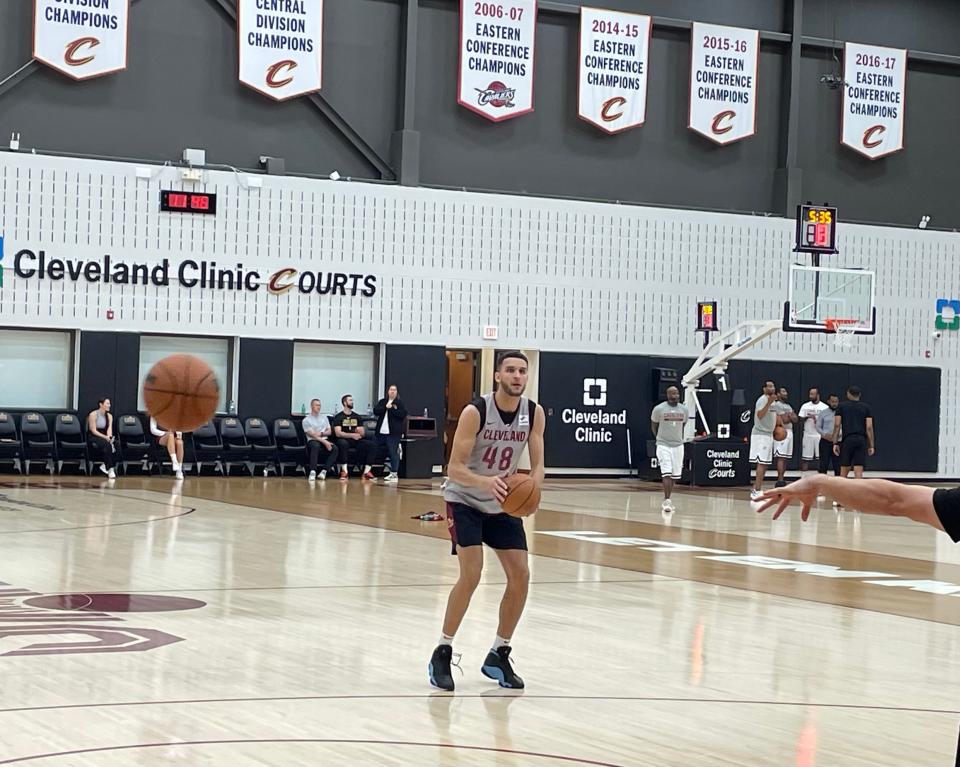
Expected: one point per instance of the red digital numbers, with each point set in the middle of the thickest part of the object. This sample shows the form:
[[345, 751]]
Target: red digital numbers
[[199, 202], [821, 237], [177, 200]]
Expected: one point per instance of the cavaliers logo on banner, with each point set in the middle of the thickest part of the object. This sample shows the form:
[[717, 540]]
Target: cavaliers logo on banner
[[281, 46], [874, 86], [723, 82], [81, 40], [612, 88], [496, 57]]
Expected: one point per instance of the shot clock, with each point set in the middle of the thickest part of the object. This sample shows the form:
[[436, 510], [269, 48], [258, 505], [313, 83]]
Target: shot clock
[[188, 202], [816, 229]]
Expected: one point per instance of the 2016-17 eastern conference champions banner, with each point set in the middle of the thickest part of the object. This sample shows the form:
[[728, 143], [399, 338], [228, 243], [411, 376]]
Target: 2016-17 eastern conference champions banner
[[496, 57], [614, 58], [723, 82], [875, 80], [81, 40], [281, 46]]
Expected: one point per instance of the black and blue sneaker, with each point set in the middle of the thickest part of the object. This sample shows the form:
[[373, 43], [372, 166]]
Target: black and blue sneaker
[[497, 666], [439, 668]]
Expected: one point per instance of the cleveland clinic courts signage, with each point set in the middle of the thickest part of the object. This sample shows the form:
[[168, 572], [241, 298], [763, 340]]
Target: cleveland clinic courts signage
[[612, 72], [723, 82], [874, 88], [496, 57], [281, 46], [81, 39]]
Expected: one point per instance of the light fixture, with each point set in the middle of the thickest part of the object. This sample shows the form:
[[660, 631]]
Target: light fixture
[[335, 176], [924, 220]]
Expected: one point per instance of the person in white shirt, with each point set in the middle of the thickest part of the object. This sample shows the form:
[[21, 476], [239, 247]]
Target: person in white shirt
[[391, 416], [173, 442], [810, 449], [667, 422], [317, 429]]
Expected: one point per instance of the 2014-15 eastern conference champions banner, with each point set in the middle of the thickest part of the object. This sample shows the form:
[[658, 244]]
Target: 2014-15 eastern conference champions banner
[[81, 40], [723, 82], [614, 58], [496, 57], [875, 80], [281, 46]]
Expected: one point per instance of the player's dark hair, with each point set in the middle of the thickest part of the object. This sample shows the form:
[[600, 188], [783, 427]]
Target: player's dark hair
[[854, 390], [770, 380], [343, 399], [101, 401], [814, 388], [511, 355], [315, 399]]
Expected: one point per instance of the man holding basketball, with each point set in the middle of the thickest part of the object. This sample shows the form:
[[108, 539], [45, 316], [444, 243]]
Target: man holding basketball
[[491, 434]]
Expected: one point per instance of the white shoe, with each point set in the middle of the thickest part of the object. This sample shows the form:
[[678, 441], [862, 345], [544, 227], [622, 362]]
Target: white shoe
[[112, 474], [323, 474], [755, 494], [667, 505], [312, 477], [837, 505], [175, 465], [391, 477], [179, 474], [104, 469]]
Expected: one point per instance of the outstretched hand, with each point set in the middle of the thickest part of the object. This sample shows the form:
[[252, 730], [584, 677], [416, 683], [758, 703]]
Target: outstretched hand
[[803, 492]]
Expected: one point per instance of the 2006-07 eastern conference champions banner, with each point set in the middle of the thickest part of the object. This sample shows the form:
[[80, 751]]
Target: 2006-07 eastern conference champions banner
[[723, 82], [614, 58], [281, 46], [496, 57], [78, 41], [875, 80]]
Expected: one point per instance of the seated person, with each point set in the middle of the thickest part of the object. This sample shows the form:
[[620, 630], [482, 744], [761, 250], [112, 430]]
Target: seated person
[[317, 429], [173, 442], [349, 433], [100, 436]]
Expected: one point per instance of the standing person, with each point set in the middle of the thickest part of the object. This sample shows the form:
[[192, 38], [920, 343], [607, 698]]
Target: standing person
[[350, 433], [809, 412], [855, 419], [783, 449], [100, 435], [173, 442], [491, 435], [317, 429], [761, 437], [667, 421], [825, 423], [391, 416]]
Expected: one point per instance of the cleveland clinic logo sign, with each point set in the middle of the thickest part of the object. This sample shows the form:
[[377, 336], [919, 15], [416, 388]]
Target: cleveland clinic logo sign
[[206, 275], [594, 421]]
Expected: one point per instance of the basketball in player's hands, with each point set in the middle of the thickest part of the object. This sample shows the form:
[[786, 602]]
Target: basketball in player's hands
[[181, 392], [523, 496], [779, 433]]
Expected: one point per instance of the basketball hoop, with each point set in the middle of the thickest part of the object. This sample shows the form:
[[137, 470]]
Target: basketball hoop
[[843, 330]]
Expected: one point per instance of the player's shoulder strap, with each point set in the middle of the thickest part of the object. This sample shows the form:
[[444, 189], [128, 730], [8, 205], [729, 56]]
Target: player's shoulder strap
[[533, 411], [481, 405]]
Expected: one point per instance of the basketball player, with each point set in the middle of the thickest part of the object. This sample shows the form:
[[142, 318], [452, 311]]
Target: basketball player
[[173, 442], [761, 437], [783, 449], [667, 421], [855, 419], [938, 508], [491, 435], [810, 445]]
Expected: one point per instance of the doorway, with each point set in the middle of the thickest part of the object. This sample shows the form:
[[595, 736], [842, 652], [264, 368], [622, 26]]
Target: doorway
[[462, 389]]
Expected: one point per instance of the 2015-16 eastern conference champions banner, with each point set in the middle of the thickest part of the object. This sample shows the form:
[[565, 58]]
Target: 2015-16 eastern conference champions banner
[[614, 58], [875, 80], [281, 46], [496, 57], [723, 82], [81, 40]]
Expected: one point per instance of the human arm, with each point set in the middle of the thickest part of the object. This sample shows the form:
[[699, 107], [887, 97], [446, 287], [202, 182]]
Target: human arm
[[766, 408], [110, 426], [835, 437], [871, 496], [463, 442], [655, 421], [535, 446], [338, 431], [399, 409], [380, 408], [870, 443]]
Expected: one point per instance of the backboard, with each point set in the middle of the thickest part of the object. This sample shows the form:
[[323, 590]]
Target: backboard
[[818, 293]]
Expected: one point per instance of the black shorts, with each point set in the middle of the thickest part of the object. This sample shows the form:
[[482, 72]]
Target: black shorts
[[469, 527], [947, 505], [853, 450]]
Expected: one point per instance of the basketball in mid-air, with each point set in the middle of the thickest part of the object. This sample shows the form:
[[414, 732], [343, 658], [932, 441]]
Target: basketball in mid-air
[[523, 496], [181, 392], [779, 433]]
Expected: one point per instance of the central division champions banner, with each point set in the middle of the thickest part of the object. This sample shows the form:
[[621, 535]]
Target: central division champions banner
[[874, 86], [614, 58], [81, 42], [723, 82], [281, 46], [496, 57]]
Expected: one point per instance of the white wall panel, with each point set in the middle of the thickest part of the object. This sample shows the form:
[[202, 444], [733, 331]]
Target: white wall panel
[[552, 274]]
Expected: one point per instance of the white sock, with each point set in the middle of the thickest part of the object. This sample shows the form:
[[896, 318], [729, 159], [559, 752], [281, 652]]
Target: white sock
[[366, 469], [444, 639], [500, 642], [343, 468]]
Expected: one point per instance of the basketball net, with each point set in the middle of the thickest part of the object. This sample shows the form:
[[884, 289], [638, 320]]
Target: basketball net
[[844, 331]]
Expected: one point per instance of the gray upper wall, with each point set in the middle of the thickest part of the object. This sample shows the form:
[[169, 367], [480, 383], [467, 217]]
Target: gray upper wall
[[181, 90]]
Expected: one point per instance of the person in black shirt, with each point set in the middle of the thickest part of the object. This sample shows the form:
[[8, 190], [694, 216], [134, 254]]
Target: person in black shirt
[[855, 419], [349, 431], [391, 416], [936, 507]]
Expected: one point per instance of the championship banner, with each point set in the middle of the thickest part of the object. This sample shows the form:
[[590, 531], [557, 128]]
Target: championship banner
[[81, 42], [281, 46], [496, 57], [874, 85], [723, 82], [614, 57]]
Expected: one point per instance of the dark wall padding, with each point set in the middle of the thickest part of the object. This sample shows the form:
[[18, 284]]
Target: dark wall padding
[[266, 378], [109, 367], [420, 373]]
